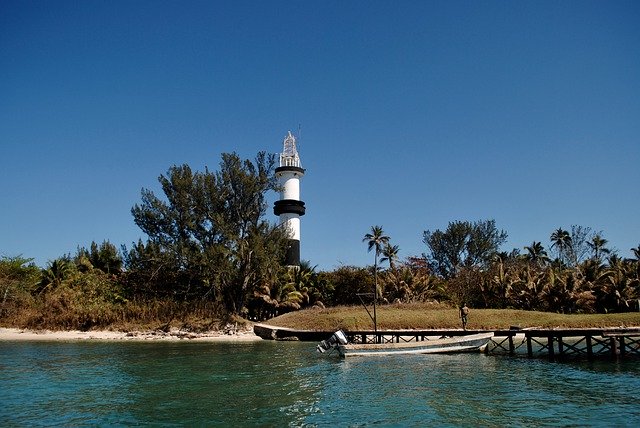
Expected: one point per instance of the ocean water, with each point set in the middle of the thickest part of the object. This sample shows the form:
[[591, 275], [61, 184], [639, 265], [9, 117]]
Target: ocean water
[[288, 384]]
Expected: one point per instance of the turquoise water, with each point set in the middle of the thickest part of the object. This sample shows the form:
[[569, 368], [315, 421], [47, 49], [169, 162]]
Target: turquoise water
[[288, 384]]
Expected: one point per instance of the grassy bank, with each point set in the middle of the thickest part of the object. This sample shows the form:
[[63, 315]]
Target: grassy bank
[[433, 316]]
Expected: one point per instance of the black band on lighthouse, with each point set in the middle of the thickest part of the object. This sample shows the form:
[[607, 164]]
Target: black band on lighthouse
[[290, 168], [288, 206], [292, 256]]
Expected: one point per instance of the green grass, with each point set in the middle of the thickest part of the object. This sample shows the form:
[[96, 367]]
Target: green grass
[[435, 316]]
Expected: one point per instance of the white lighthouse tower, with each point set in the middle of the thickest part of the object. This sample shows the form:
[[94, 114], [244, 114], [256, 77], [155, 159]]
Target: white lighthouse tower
[[290, 207]]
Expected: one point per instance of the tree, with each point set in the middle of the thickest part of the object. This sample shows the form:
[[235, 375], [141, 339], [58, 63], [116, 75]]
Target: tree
[[496, 288], [561, 242], [462, 244], [210, 232], [348, 282], [315, 287], [53, 276], [278, 298], [303, 279], [376, 240], [17, 270], [597, 244], [466, 286], [559, 291], [390, 253], [18, 276], [152, 271], [411, 281], [579, 250], [536, 254], [616, 288], [526, 289], [104, 257], [591, 277]]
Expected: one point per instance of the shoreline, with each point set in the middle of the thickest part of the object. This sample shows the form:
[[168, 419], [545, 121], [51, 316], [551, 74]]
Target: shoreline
[[174, 335]]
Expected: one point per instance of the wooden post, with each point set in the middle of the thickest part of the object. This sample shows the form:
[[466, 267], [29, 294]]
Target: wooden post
[[560, 347], [550, 346], [614, 346], [589, 347], [512, 349], [529, 347]]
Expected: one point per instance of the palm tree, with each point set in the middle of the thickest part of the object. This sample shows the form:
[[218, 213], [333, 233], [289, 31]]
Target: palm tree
[[561, 241], [618, 290], [498, 286], [390, 253], [591, 276], [278, 298], [525, 289], [636, 253], [53, 276], [536, 254], [559, 291], [396, 284], [303, 280], [597, 245], [376, 239]]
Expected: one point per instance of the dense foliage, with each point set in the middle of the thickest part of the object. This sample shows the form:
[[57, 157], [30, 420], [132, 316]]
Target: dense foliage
[[209, 239], [210, 254], [462, 245]]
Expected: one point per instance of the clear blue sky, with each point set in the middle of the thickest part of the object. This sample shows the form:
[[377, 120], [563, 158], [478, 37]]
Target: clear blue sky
[[413, 114]]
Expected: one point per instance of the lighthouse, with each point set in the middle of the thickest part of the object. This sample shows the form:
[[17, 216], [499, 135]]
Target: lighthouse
[[290, 208]]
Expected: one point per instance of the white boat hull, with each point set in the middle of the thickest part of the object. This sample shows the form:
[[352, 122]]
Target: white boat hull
[[468, 343]]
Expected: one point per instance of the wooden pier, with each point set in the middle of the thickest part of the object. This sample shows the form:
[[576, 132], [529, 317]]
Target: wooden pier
[[558, 344], [554, 344]]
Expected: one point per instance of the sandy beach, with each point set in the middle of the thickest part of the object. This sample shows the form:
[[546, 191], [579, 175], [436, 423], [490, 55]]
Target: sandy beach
[[15, 334]]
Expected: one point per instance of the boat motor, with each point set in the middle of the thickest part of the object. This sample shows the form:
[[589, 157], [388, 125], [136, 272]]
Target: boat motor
[[337, 338]]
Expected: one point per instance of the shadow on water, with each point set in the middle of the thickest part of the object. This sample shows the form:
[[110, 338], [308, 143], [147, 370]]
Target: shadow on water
[[279, 384]]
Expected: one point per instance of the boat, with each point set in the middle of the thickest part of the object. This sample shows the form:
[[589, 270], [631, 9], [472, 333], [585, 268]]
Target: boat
[[466, 343]]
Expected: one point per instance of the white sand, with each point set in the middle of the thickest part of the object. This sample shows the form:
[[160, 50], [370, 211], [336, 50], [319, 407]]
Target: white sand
[[15, 334]]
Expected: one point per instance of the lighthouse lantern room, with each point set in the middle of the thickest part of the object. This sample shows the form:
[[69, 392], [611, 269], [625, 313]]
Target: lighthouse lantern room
[[290, 208]]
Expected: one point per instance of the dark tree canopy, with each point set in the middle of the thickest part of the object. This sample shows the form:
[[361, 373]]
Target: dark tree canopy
[[463, 244], [349, 281], [104, 257], [208, 237]]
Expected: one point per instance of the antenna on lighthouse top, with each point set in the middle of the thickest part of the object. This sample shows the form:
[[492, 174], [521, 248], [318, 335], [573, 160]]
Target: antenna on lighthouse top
[[289, 155]]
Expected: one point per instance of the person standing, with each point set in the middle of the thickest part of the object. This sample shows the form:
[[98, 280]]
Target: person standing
[[464, 313]]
